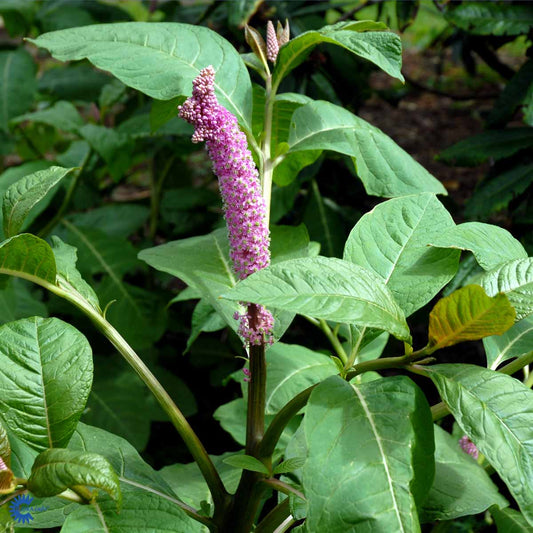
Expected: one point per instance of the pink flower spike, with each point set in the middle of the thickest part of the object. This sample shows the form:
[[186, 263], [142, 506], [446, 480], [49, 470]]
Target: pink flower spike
[[272, 44], [468, 446], [244, 206]]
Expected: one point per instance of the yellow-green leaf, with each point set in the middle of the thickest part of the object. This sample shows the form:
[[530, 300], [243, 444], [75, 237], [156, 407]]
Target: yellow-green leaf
[[468, 315]]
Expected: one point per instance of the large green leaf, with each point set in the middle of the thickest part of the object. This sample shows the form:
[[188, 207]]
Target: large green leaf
[[461, 486], [384, 168], [382, 48], [56, 470], [28, 257], [492, 18], [391, 240], [45, 377], [468, 314], [160, 60], [25, 194], [292, 369], [326, 288], [17, 79], [515, 280], [497, 193], [114, 147], [514, 342], [491, 245], [370, 456], [496, 412], [495, 144]]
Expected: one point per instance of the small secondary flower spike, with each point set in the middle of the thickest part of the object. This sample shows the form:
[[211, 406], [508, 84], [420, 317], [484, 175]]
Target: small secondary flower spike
[[272, 45], [468, 446], [244, 206]]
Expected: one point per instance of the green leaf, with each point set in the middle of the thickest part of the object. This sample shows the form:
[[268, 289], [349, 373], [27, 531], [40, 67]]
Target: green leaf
[[497, 193], [509, 521], [58, 469], [28, 257], [391, 240], [323, 220], [384, 168], [326, 288], [515, 280], [513, 94], [292, 369], [496, 412], [45, 375], [116, 220], [370, 455], [468, 314], [487, 18], [17, 79], [491, 245], [495, 144], [115, 148], [62, 115], [295, 463], [133, 472], [188, 483], [140, 512], [382, 48], [166, 58], [513, 343], [240, 11], [246, 462], [68, 277], [204, 318], [461, 486], [25, 194], [18, 301], [118, 403]]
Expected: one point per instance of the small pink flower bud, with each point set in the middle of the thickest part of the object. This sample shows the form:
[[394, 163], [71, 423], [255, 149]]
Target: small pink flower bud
[[272, 45]]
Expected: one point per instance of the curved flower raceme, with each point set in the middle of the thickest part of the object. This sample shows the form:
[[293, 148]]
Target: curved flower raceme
[[244, 206], [468, 446]]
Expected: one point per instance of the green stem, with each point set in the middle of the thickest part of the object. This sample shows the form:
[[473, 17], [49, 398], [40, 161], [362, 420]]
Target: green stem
[[285, 488], [196, 448], [255, 416], [355, 350], [277, 520], [267, 164], [280, 421], [66, 200], [334, 340]]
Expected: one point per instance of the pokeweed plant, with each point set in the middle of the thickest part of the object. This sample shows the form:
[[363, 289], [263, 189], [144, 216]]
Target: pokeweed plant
[[342, 447]]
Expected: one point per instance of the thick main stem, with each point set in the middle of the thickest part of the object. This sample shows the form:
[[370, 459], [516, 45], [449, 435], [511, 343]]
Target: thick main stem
[[255, 418]]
